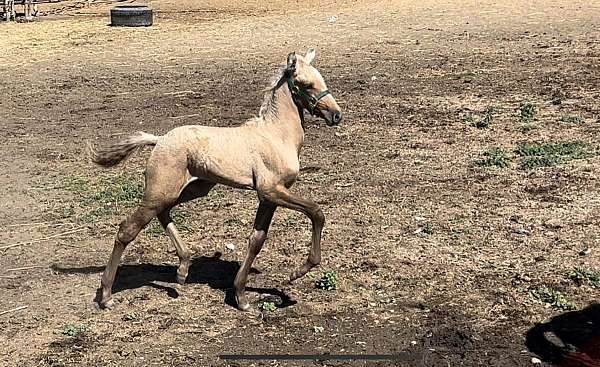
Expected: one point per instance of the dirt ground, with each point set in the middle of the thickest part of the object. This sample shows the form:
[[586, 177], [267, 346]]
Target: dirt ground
[[438, 259]]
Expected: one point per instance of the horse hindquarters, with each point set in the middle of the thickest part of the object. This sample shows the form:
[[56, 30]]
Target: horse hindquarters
[[165, 176]]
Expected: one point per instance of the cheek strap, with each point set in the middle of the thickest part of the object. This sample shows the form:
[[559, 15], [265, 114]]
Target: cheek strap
[[300, 94]]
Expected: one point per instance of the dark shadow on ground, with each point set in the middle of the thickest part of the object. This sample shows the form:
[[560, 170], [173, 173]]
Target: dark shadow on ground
[[568, 340], [212, 271]]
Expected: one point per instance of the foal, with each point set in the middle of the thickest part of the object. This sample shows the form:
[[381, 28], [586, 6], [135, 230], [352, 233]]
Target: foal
[[261, 155]]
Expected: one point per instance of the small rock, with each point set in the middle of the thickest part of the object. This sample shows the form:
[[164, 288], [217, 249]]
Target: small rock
[[586, 251], [318, 329], [553, 223], [536, 360], [419, 219], [230, 246], [522, 231], [414, 342], [332, 19], [373, 78]]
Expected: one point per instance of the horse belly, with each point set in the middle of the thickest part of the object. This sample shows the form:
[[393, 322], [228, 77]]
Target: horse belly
[[232, 171]]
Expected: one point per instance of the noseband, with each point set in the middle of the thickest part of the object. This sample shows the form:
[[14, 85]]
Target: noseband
[[301, 94]]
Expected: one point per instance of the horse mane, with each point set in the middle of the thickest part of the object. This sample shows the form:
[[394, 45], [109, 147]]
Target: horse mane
[[269, 104]]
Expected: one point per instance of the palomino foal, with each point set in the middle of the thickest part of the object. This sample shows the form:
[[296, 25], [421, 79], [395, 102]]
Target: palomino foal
[[261, 154]]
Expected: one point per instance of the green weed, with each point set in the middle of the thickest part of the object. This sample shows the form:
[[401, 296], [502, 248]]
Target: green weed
[[74, 330], [95, 198], [583, 276], [534, 155], [553, 298], [494, 157], [527, 112], [267, 306], [328, 281], [120, 192], [572, 119]]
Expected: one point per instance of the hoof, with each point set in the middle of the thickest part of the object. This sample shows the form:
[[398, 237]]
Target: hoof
[[181, 279], [293, 277], [244, 306], [108, 305]]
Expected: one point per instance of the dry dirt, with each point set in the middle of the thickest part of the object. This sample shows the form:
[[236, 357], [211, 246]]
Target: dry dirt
[[437, 258]]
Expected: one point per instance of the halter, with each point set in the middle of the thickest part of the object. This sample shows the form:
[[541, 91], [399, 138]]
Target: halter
[[303, 95]]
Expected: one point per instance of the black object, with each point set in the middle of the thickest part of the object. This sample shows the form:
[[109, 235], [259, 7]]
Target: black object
[[571, 339], [131, 16]]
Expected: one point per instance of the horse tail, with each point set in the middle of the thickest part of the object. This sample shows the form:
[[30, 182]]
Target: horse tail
[[111, 155]]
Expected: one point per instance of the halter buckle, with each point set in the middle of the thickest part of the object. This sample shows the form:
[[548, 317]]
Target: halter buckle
[[302, 94]]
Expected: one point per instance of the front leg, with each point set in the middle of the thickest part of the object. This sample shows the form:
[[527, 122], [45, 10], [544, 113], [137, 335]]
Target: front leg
[[281, 196], [264, 215]]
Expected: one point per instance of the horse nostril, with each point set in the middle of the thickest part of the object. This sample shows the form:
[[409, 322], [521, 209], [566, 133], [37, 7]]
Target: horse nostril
[[337, 117]]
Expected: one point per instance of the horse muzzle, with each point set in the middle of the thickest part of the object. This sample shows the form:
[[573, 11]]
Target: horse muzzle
[[332, 118]]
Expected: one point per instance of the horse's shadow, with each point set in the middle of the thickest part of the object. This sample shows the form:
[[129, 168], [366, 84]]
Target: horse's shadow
[[212, 271], [571, 339]]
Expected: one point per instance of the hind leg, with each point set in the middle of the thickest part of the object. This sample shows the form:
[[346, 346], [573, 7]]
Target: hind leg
[[182, 250], [128, 231], [195, 188], [165, 175]]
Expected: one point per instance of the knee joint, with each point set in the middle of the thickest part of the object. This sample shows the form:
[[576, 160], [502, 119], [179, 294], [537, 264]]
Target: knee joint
[[125, 234], [256, 241], [258, 237], [318, 216]]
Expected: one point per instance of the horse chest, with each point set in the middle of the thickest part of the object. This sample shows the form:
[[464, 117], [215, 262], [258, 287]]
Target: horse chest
[[288, 168]]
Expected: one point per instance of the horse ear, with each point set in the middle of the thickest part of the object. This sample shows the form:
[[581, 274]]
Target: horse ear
[[291, 63], [310, 55]]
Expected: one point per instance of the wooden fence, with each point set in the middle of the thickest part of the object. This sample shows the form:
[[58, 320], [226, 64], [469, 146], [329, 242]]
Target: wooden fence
[[30, 7]]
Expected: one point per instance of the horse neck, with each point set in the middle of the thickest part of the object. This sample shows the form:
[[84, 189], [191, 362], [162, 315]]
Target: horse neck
[[286, 122]]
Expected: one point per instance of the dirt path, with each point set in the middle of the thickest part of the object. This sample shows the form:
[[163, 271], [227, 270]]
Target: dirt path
[[438, 258]]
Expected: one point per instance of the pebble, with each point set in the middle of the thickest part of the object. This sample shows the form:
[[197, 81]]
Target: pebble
[[522, 231], [230, 246], [553, 223], [536, 360]]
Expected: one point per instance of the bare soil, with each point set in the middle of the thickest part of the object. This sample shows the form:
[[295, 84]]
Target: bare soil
[[437, 258]]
